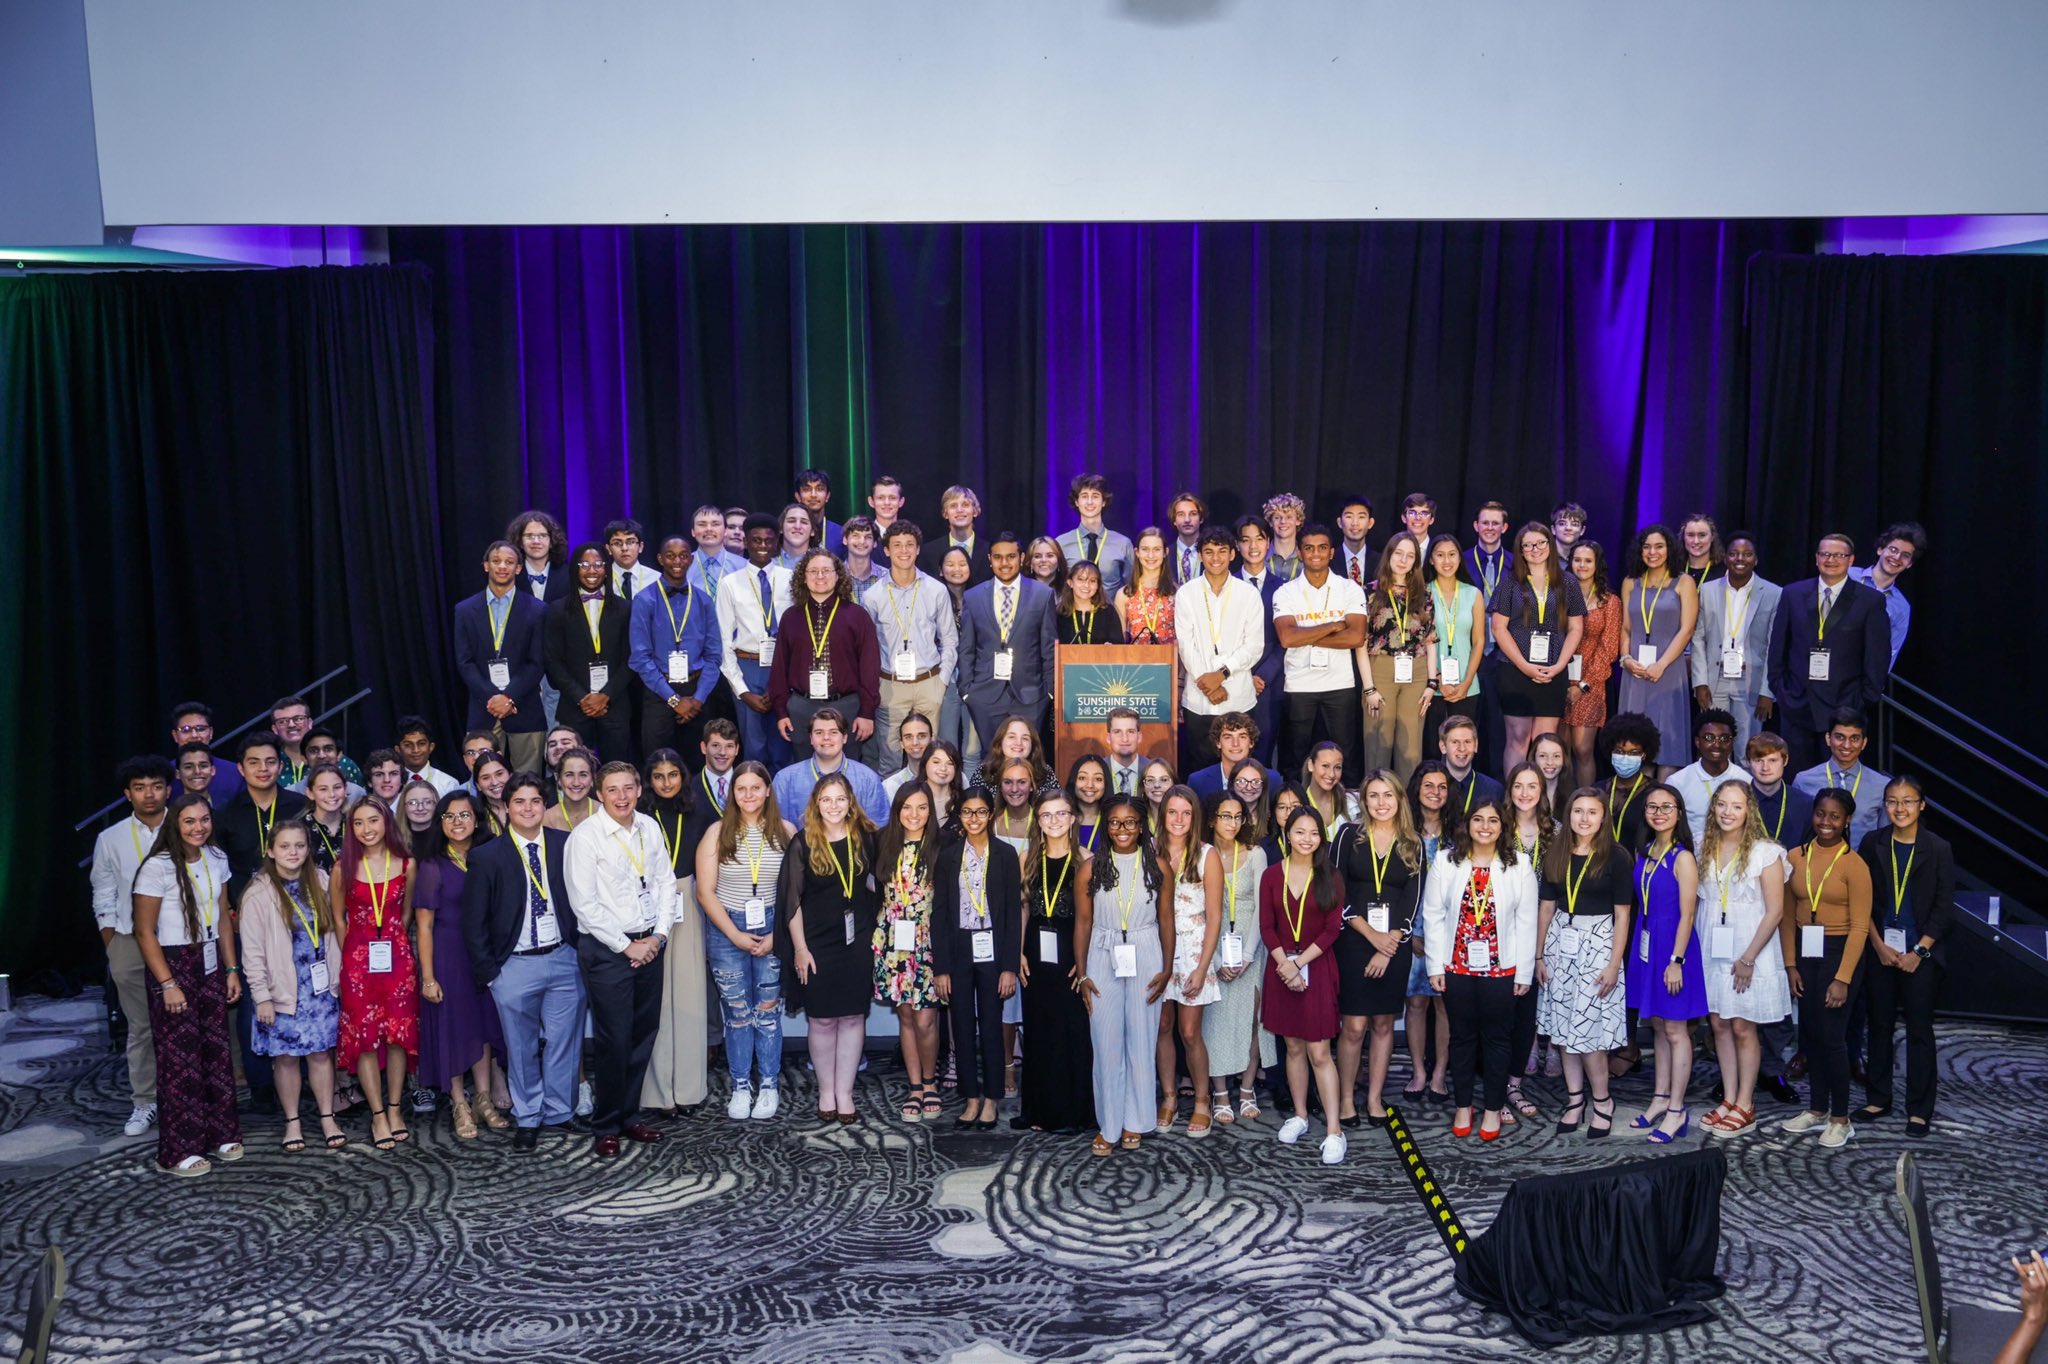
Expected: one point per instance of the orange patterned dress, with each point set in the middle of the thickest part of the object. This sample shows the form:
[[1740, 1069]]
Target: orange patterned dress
[[1148, 616], [1600, 646]]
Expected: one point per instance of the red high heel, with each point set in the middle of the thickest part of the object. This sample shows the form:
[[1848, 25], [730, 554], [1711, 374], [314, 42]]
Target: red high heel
[[1458, 1131], [1494, 1135]]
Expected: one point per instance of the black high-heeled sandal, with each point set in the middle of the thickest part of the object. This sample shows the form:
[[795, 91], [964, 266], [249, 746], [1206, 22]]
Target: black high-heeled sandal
[[1593, 1132], [291, 1146], [339, 1139], [398, 1131], [1574, 1101]]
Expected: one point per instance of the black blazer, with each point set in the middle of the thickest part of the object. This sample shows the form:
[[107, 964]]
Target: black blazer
[[1930, 888], [1859, 645], [496, 899], [1273, 662], [473, 654], [953, 946], [561, 583], [932, 557], [565, 645]]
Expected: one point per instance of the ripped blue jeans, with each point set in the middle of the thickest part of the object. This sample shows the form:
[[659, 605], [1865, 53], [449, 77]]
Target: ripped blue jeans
[[750, 998]]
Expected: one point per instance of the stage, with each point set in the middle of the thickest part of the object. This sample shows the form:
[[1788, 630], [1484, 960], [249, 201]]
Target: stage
[[897, 1241]]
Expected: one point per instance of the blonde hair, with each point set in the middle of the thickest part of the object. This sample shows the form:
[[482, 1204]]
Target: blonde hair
[[1747, 837], [1407, 843], [817, 847]]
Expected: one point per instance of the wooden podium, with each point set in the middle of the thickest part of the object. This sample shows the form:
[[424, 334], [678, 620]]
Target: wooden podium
[[1090, 680]]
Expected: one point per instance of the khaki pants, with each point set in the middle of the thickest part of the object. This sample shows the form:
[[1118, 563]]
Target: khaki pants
[[522, 751], [131, 987], [899, 699], [676, 1067], [1393, 738]]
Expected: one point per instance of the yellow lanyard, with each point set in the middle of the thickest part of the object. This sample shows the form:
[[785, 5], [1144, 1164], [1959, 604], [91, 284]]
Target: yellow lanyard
[[1085, 632], [1724, 875], [563, 802], [1051, 895], [689, 603], [590, 623], [977, 886], [305, 919], [327, 842], [1210, 601], [209, 904], [1448, 635], [1379, 864], [1737, 607], [845, 873], [1529, 850], [1572, 884], [1399, 605], [380, 891], [1482, 901], [1006, 609], [136, 839], [1126, 894], [1230, 885], [818, 637], [906, 868], [498, 626], [461, 861], [1542, 595], [1299, 912], [1651, 866], [264, 826], [1806, 867], [755, 845], [1006, 825], [675, 845], [1647, 607], [1899, 882], [1854, 790], [1784, 800], [704, 778], [636, 854], [1094, 832], [534, 881], [896, 610], [1621, 811]]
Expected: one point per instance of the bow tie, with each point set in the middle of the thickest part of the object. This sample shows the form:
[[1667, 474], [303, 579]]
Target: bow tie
[[592, 596]]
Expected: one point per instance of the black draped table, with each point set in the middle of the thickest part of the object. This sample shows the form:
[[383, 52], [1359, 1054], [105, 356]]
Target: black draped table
[[1597, 1252]]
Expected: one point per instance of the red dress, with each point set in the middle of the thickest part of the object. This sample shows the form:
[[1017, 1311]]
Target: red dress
[[1600, 646], [383, 1008], [1311, 1014]]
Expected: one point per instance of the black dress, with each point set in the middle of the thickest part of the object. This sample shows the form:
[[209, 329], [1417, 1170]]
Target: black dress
[[843, 985], [1056, 1088], [1400, 889], [1083, 628]]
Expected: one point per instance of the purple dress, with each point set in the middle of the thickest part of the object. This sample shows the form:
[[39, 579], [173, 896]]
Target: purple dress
[[453, 1033], [1655, 932]]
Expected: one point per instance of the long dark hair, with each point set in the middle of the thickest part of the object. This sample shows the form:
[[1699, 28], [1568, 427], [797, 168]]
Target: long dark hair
[[889, 846], [433, 842], [1105, 873], [1681, 828], [1323, 883], [170, 843], [1553, 582], [1504, 847], [682, 803], [1557, 855]]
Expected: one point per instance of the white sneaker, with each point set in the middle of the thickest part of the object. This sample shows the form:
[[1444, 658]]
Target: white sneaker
[[1291, 1131], [1837, 1134], [141, 1120], [741, 1104], [586, 1099], [1334, 1147], [1802, 1122], [767, 1102]]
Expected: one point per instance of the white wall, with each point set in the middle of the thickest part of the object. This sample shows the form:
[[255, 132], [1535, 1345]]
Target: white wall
[[467, 111]]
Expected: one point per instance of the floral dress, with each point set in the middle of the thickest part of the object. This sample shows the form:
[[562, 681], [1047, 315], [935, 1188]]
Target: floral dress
[[905, 977], [1148, 616]]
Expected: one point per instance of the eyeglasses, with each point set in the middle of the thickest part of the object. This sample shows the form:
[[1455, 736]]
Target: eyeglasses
[[1661, 809], [282, 721], [974, 812], [1902, 803], [193, 729], [1047, 816], [1127, 822], [1228, 817], [454, 815], [1831, 554]]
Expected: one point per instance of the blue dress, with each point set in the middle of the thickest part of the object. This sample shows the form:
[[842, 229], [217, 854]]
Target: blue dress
[[1655, 932], [314, 1025], [1667, 702]]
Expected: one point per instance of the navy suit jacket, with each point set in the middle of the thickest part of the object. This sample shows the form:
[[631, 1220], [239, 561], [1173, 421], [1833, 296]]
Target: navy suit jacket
[[1274, 661], [566, 647], [497, 905], [1859, 645], [1034, 636], [473, 654], [561, 582]]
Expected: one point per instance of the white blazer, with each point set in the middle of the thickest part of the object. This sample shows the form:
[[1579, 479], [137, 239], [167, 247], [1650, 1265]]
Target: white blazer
[[1514, 900]]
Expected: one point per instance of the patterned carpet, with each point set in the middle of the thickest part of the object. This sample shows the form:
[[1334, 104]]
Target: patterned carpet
[[893, 1241]]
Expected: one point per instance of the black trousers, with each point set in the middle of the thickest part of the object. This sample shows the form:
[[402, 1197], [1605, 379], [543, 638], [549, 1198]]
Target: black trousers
[[1888, 991], [1493, 733], [1806, 747], [609, 736], [977, 1012], [1441, 710], [1334, 715], [1824, 1032], [625, 1014], [1523, 1038], [659, 727], [1482, 1010]]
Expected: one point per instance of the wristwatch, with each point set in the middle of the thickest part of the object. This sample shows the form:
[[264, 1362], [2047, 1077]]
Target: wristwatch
[[1225, 670], [1921, 951], [1678, 960]]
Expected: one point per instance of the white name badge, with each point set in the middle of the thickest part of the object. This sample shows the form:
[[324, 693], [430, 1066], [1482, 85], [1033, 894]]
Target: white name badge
[[756, 915], [1817, 665], [1003, 662], [380, 958], [501, 673], [1124, 960], [766, 651], [903, 935], [1318, 658], [547, 930], [1567, 940], [1895, 939], [678, 666], [1048, 946], [209, 952], [323, 984], [905, 666], [1378, 917], [1643, 946], [1646, 654], [1721, 942], [1813, 940], [1731, 663], [1539, 647], [1478, 956], [1404, 669], [1449, 668], [646, 907], [1231, 949], [821, 685], [1576, 669], [600, 676], [1302, 967], [984, 944], [847, 923]]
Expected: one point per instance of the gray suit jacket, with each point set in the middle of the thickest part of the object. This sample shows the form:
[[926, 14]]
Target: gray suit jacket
[[1710, 637], [1033, 638]]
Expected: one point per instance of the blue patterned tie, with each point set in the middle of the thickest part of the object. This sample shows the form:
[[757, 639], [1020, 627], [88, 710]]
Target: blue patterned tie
[[536, 903]]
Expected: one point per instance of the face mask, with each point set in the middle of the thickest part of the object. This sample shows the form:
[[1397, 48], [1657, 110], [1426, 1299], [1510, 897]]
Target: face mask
[[1627, 764]]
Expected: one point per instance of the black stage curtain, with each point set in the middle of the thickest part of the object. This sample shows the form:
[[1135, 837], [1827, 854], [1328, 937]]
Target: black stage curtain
[[1598, 1252], [1884, 388], [218, 485]]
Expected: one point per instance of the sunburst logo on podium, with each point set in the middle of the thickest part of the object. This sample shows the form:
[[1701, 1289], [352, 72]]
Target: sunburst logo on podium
[[1094, 689]]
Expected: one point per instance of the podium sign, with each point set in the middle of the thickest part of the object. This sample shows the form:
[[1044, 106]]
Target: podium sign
[[1094, 679]]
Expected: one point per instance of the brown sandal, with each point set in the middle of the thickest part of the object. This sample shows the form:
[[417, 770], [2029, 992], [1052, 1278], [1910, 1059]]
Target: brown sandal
[[465, 1121], [1130, 1142], [1101, 1146], [487, 1113]]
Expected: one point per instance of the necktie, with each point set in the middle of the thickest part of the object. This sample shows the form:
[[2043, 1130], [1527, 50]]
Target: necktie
[[767, 603], [711, 569], [1358, 569], [1088, 542], [1827, 601], [1008, 613], [535, 903], [1123, 781], [629, 584], [721, 793], [1187, 562]]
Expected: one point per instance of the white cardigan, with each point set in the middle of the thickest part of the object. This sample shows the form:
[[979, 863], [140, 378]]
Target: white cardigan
[[1514, 900]]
